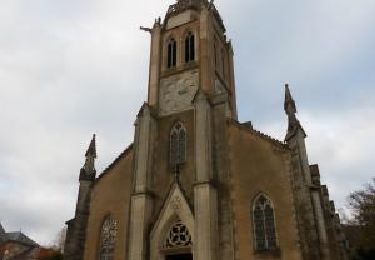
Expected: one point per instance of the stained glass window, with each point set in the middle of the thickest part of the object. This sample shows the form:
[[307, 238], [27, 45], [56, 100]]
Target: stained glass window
[[264, 224], [177, 144], [178, 236], [108, 239]]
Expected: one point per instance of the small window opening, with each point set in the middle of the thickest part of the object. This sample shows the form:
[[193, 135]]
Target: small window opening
[[172, 52], [189, 48]]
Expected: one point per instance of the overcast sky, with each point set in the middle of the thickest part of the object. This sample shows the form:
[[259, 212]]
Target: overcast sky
[[71, 68]]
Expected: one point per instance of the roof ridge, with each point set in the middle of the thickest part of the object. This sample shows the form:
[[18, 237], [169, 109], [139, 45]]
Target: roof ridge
[[266, 137], [119, 157]]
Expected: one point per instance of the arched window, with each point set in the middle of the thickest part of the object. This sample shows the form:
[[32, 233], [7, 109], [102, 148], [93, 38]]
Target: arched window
[[264, 224], [189, 47], [172, 52], [177, 144], [108, 239], [178, 236]]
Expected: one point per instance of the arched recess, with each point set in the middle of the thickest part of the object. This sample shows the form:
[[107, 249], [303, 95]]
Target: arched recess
[[175, 211], [264, 223]]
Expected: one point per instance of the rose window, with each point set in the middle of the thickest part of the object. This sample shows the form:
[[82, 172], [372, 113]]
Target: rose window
[[178, 236]]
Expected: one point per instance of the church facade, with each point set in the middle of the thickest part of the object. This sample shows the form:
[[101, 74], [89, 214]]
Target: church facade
[[196, 183]]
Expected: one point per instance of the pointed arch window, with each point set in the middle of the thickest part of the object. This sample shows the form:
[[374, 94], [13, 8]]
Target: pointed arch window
[[177, 144], [264, 224], [108, 238], [189, 47], [172, 53]]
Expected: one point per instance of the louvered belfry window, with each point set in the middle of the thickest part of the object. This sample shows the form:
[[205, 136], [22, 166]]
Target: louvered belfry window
[[108, 239], [177, 145], [172, 53], [189, 47], [264, 224]]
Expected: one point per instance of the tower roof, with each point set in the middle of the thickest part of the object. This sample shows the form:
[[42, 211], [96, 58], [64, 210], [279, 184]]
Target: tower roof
[[183, 5]]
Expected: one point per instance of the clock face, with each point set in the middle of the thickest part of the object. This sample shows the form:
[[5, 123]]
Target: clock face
[[177, 92]]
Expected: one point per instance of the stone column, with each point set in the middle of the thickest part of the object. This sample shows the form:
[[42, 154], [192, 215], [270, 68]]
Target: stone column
[[321, 226], [141, 201], [155, 62], [205, 195]]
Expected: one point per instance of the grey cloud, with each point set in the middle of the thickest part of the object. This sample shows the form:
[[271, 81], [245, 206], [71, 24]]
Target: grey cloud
[[72, 68]]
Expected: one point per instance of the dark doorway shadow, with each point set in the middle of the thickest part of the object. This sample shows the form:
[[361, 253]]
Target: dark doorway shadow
[[179, 257]]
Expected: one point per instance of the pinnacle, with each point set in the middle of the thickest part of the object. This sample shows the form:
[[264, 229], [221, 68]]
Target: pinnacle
[[289, 104], [92, 147], [288, 95]]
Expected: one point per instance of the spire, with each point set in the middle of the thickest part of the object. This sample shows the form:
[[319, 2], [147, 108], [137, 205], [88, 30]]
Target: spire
[[91, 151], [290, 109], [88, 171]]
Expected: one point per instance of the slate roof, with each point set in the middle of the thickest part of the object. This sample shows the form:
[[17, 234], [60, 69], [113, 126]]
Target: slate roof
[[17, 236]]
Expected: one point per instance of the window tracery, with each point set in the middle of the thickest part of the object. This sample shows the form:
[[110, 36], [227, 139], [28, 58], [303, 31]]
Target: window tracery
[[108, 238], [172, 53], [177, 144], [264, 224], [178, 236]]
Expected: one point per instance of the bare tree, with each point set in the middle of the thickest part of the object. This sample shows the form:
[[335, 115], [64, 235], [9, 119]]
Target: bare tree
[[60, 240], [362, 203]]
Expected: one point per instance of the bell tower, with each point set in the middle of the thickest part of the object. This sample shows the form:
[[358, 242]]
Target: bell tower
[[180, 137], [190, 51]]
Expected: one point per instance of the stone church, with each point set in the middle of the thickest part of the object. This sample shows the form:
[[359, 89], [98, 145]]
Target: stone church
[[196, 183]]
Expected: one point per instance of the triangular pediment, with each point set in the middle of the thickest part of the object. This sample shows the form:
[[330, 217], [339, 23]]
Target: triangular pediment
[[175, 208]]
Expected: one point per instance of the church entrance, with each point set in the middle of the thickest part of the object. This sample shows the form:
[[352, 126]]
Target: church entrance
[[179, 257]]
